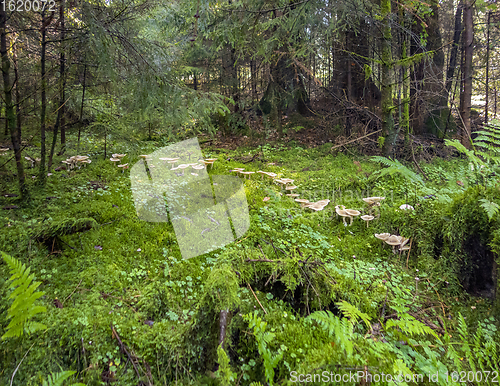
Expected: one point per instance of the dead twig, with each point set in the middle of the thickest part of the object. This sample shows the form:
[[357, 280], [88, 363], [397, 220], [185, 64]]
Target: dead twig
[[256, 298], [355, 139]]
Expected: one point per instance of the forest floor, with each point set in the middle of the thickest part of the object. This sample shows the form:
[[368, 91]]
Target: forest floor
[[123, 307]]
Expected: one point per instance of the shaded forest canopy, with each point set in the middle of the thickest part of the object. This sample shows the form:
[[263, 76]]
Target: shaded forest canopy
[[380, 253]]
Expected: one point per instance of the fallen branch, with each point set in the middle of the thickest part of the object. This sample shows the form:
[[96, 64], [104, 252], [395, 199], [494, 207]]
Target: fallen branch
[[131, 358], [355, 139], [256, 298]]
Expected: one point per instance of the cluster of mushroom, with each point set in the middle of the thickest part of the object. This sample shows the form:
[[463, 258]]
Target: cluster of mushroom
[[118, 158], [33, 161], [394, 241], [79, 160], [316, 206], [195, 166]]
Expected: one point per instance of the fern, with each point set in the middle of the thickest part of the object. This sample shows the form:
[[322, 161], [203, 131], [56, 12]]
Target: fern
[[264, 337], [23, 307], [342, 330], [57, 379], [490, 207], [394, 166], [410, 326], [353, 313]]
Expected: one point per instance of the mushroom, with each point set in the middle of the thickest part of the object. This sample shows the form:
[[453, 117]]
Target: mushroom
[[281, 182], [323, 202], [303, 202], [247, 174], [394, 241], [209, 161], [86, 161], [287, 180], [352, 213], [406, 207], [182, 167], [118, 155], [30, 160], [373, 200], [316, 206], [198, 167], [293, 195], [172, 162], [266, 199], [367, 218], [123, 167], [341, 211], [382, 236], [272, 175], [115, 159], [261, 173], [290, 188]]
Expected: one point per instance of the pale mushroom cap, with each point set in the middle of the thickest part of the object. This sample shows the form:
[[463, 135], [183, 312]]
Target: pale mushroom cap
[[172, 161], [198, 167], [247, 173], [315, 206], [393, 240], [211, 159], [287, 180], [406, 207], [290, 187], [341, 212], [266, 199], [404, 240], [323, 202], [352, 212], [122, 166], [382, 236], [238, 169], [87, 161], [182, 166], [261, 172], [115, 159], [4, 149], [118, 155], [293, 195], [272, 175], [367, 217], [404, 248], [372, 200], [302, 200]]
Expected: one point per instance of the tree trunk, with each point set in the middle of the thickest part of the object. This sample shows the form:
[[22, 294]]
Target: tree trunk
[[454, 49], [487, 68], [467, 90], [42, 174], [9, 107], [18, 95], [81, 107], [388, 129], [62, 94]]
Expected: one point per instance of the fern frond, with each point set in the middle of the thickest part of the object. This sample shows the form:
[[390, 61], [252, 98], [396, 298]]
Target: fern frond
[[340, 330], [23, 307], [394, 166], [353, 313], [57, 379], [410, 326], [490, 207]]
